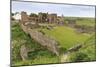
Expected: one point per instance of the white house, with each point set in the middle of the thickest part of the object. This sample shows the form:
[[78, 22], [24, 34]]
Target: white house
[[17, 16]]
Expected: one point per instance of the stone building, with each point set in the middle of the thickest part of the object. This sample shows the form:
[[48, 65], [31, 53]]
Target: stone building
[[41, 18], [60, 20], [52, 18]]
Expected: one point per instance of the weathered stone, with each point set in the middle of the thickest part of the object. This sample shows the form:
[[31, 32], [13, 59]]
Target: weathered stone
[[75, 48], [41, 18], [29, 25], [84, 29], [44, 40], [23, 53], [24, 17]]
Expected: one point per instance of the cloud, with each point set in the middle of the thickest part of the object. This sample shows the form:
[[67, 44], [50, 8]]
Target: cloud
[[66, 10]]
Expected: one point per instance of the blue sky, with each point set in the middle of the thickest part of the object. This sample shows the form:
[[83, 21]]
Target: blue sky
[[66, 10]]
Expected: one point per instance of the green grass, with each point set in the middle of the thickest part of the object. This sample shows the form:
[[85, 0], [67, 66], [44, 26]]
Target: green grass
[[40, 56], [82, 21], [86, 22], [66, 36], [87, 53]]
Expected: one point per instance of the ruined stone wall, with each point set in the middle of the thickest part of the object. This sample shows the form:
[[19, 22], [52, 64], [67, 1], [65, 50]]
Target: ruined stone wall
[[24, 17], [31, 19], [44, 40], [42, 18], [52, 18], [60, 20], [85, 29]]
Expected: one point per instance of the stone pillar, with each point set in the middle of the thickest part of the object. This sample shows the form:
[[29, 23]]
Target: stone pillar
[[40, 17], [23, 53], [24, 17], [53, 18]]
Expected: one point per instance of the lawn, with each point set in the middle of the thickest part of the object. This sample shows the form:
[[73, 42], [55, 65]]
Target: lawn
[[66, 36]]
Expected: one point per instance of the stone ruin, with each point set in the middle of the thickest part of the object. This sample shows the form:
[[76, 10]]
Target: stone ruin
[[42, 18], [28, 22], [84, 29], [24, 18], [80, 28], [60, 20], [44, 40], [23, 53]]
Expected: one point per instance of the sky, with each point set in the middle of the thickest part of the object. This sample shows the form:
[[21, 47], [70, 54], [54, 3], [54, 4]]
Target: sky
[[65, 9]]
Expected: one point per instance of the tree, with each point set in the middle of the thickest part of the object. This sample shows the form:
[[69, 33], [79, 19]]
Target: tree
[[12, 18], [33, 15], [12, 14]]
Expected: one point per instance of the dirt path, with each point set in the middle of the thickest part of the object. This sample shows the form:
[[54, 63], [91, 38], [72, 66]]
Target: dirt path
[[64, 57]]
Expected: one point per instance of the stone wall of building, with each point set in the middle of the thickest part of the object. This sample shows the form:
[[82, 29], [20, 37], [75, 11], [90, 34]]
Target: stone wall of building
[[24, 17], [52, 18], [42, 18]]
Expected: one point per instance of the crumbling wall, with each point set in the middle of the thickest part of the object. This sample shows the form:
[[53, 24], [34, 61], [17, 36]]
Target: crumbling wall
[[41, 18], [23, 53], [52, 18], [44, 40], [84, 29], [24, 17]]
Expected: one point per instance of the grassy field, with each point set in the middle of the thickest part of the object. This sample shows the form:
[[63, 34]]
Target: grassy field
[[87, 53], [66, 36], [82, 21]]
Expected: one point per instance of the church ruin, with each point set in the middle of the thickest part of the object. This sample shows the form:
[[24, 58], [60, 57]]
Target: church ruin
[[42, 18]]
